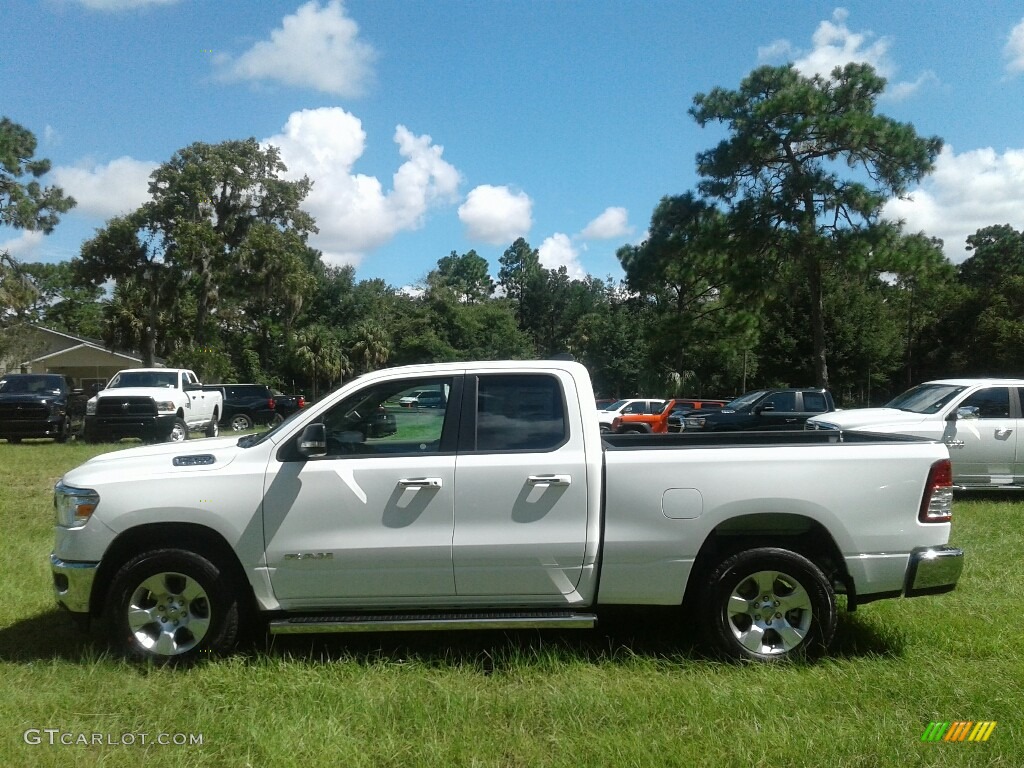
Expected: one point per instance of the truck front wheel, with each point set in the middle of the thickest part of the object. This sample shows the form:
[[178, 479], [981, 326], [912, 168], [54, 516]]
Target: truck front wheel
[[768, 604], [179, 432], [170, 606]]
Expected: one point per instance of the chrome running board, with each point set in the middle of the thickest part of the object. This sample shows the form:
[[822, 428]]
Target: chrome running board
[[416, 622]]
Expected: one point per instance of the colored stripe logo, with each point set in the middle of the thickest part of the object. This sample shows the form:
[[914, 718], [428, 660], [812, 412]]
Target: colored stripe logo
[[959, 730]]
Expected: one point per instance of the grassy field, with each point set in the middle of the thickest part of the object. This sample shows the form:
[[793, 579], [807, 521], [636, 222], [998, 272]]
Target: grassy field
[[633, 693]]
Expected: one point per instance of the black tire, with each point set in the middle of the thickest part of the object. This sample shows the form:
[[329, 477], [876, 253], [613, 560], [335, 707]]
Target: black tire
[[213, 428], [240, 422], [171, 606], [179, 432], [65, 431], [789, 610]]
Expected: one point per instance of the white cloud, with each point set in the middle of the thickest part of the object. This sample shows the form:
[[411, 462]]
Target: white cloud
[[316, 47], [965, 193], [24, 247], [906, 89], [612, 223], [122, 5], [496, 215], [557, 251], [776, 50], [834, 44], [353, 211], [51, 138], [118, 187], [1014, 50]]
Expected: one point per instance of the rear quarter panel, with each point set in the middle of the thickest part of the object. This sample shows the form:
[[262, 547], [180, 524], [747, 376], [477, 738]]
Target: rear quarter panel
[[662, 504]]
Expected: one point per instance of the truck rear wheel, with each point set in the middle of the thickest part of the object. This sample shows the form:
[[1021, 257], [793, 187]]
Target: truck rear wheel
[[170, 606], [768, 604], [213, 428]]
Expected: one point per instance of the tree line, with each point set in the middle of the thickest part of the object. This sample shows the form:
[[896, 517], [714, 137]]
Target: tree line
[[776, 270]]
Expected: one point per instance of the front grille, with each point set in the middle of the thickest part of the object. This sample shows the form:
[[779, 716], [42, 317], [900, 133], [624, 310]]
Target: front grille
[[126, 407], [19, 411]]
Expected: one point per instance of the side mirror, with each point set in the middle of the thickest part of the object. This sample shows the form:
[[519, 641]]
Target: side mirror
[[966, 412], [190, 387], [313, 441]]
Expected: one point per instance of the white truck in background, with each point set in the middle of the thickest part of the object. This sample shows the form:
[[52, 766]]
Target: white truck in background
[[504, 508], [155, 404], [979, 420]]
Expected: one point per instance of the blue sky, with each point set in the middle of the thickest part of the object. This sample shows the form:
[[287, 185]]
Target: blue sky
[[441, 125]]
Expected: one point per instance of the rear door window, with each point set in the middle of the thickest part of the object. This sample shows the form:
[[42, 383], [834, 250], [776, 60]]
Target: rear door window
[[520, 412]]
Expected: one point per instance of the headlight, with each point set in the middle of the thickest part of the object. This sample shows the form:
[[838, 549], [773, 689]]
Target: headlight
[[694, 422], [165, 406], [823, 425], [90, 407], [73, 507]]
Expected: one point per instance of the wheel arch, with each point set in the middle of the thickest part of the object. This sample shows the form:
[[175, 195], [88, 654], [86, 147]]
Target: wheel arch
[[795, 532], [190, 537]]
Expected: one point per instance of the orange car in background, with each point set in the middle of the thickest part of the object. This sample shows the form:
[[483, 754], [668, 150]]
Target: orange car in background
[[657, 423]]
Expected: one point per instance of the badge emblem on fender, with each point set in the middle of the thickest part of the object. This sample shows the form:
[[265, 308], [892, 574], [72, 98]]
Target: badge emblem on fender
[[309, 556]]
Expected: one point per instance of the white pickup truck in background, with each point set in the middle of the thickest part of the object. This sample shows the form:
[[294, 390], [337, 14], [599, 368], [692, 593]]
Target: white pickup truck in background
[[503, 508], [979, 420], [156, 404]]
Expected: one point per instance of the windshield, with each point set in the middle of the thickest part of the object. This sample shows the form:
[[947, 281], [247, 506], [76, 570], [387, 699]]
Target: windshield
[[926, 398], [743, 401], [614, 406], [168, 379], [34, 385]]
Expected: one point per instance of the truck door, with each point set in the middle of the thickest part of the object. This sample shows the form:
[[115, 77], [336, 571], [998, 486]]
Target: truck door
[[374, 517], [777, 411], [521, 489], [982, 442]]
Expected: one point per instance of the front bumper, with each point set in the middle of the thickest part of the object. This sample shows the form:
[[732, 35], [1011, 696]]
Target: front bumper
[[114, 428], [933, 570], [72, 583], [42, 427]]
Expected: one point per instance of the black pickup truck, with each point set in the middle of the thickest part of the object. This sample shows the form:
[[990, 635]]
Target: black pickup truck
[[765, 409], [38, 405]]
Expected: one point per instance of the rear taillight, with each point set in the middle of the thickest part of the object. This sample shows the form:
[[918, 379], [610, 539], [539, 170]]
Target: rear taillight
[[271, 404], [302, 401], [937, 502]]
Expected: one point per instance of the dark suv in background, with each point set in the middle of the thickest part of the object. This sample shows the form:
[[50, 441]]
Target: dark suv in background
[[37, 405], [764, 409], [247, 405]]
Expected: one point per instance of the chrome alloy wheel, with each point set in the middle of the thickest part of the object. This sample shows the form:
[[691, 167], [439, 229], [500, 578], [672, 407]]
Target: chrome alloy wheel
[[179, 432], [169, 614], [769, 612]]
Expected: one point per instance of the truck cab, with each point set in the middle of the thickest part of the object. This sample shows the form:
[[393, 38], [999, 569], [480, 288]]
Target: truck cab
[[764, 409]]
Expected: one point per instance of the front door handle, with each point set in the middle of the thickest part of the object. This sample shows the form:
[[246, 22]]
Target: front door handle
[[549, 479], [1003, 431], [420, 482]]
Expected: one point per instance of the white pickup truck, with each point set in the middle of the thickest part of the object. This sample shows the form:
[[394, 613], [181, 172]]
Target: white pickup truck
[[979, 420], [156, 404], [504, 508]]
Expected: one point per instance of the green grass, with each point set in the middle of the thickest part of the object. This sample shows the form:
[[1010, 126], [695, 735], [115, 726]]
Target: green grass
[[633, 693]]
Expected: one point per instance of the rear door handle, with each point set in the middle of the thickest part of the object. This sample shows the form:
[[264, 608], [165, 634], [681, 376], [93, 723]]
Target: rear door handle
[[420, 482], [549, 479]]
